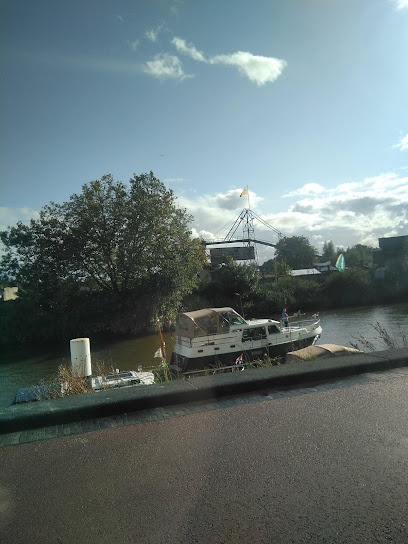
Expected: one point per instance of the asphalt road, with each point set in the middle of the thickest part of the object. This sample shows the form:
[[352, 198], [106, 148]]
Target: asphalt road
[[323, 467]]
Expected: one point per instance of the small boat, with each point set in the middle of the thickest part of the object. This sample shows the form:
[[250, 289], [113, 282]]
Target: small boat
[[98, 383], [219, 336], [121, 379]]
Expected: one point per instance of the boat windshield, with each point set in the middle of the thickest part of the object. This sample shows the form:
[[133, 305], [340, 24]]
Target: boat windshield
[[232, 318]]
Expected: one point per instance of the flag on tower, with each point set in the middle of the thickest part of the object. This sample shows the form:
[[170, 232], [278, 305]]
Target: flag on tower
[[244, 192]]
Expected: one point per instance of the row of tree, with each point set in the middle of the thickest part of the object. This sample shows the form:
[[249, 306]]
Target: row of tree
[[242, 287], [296, 252], [118, 257]]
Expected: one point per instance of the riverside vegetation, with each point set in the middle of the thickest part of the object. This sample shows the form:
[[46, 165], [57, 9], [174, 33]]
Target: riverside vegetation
[[67, 383], [117, 258]]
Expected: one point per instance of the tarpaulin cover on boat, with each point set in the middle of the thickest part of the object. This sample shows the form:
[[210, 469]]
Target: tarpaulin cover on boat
[[207, 322]]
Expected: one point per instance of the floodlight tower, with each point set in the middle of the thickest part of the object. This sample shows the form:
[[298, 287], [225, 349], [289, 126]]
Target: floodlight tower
[[248, 234], [246, 218], [249, 241]]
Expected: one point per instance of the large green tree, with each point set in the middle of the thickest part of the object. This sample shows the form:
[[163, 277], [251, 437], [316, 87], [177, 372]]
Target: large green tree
[[296, 251], [124, 246], [231, 284], [275, 268]]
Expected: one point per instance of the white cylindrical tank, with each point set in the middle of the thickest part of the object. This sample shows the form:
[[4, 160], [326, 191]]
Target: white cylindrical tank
[[81, 357]]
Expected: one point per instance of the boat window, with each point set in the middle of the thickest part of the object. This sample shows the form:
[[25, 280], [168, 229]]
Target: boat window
[[119, 376], [273, 329], [183, 322], [206, 325], [111, 377], [257, 333], [224, 321], [235, 319]]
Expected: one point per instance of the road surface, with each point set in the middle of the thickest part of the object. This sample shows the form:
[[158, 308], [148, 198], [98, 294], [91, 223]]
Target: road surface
[[327, 466]]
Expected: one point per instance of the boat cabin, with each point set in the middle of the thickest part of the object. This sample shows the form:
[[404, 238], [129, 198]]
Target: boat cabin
[[220, 335], [207, 322]]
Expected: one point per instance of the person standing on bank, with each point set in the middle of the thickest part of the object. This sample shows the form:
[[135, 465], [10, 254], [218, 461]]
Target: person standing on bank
[[285, 318]]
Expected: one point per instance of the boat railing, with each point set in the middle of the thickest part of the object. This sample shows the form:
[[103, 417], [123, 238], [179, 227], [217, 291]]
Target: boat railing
[[299, 322]]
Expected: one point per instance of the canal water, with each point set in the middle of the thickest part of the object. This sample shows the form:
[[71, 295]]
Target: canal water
[[20, 368]]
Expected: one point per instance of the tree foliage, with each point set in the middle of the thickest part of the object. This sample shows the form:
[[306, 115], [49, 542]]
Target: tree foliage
[[275, 267], [359, 256], [230, 285], [113, 243], [296, 251], [329, 253], [348, 288]]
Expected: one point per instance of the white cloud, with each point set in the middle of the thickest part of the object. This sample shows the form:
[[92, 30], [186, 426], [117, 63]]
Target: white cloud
[[401, 4], [368, 210], [402, 145], [189, 50], [153, 34], [212, 212], [258, 69], [165, 66], [204, 234], [11, 216], [232, 200], [348, 187], [309, 188], [351, 213]]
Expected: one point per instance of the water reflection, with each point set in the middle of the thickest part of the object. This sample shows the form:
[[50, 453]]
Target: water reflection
[[20, 368], [344, 326]]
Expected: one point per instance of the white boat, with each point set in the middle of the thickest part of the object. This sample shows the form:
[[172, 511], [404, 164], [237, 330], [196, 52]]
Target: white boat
[[215, 336], [98, 383], [121, 379]]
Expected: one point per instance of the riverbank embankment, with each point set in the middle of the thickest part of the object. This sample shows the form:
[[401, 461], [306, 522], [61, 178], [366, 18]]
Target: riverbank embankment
[[59, 411]]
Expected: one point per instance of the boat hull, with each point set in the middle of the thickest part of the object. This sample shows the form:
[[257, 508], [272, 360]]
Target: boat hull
[[182, 363]]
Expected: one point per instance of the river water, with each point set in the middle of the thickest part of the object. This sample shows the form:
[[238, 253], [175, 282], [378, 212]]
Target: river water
[[20, 368]]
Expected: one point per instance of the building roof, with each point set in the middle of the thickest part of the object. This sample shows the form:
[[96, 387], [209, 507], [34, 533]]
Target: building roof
[[393, 243], [305, 272]]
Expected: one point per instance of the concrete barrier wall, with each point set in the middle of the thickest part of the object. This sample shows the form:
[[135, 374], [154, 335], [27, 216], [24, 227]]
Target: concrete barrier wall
[[130, 399]]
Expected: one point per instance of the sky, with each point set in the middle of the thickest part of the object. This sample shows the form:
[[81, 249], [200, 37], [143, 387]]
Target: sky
[[305, 102]]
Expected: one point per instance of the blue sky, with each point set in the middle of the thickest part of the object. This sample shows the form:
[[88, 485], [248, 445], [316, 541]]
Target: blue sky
[[304, 101]]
